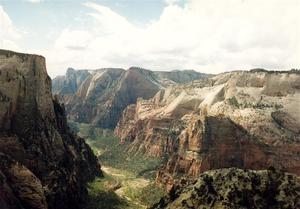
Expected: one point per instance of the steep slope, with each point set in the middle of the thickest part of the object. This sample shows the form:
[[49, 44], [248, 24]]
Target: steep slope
[[238, 119], [234, 189], [95, 101], [69, 84], [42, 164], [105, 93]]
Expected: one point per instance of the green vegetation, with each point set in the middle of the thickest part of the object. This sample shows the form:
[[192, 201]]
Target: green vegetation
[[122, 189], [116, 155], [73, 126], [258, 105], [102, 195], [128, 180], [233, 102], [148, 195], [113, 154]]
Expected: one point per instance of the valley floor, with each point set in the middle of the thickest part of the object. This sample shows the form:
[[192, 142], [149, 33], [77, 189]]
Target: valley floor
[[127, 185], [128, 181]]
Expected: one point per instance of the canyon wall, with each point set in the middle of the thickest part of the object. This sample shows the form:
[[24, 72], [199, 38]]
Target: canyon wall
[[100, 96], [249, 120], [42, 164]]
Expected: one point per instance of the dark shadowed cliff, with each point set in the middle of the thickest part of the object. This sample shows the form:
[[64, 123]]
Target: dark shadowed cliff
[[42, 164]]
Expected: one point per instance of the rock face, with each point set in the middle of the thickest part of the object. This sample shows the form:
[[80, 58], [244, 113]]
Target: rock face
[[42, 164], [249, 120], [102, 96], [234, 189], [69, 84]]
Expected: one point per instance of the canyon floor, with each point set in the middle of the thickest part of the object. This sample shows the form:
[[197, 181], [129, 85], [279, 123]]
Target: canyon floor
[[128, 181]]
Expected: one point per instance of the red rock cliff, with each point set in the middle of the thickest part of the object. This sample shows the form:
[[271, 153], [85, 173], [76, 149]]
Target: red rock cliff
[[239, 119]]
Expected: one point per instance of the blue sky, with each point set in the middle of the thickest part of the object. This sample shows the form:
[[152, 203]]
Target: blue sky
[[40, 18], [206, 35]]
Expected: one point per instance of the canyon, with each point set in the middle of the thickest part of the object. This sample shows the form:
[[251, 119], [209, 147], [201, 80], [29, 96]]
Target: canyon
[[99, 96], [230, 140], [243, 119], [211, 128]]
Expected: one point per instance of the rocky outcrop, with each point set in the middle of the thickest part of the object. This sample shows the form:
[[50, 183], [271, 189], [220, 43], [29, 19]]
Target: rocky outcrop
[[105, 93], [235, 188], [20, 187], [69, 84], [241, 119], [42, 164]]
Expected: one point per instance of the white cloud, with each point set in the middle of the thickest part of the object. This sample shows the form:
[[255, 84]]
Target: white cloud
[[8, 34], [172, 1], [73, 39], [209, 36], [106, 17], [35, 1]]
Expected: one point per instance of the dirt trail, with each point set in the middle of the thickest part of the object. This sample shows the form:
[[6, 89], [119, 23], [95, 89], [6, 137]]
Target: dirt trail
[[128, 181], [113, 172]]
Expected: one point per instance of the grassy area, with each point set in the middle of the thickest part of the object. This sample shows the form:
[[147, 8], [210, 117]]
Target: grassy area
[[116, 155], [137, 193], [102, 195], [128, 181], [111, 153], [147, 195]]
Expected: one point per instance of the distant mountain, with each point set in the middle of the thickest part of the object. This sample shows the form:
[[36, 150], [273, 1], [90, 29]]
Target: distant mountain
[[100, 96], [69, 83], [249, 120]]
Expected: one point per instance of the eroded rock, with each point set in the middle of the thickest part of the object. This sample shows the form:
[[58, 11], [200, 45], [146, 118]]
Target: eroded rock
[[235, 188], [236, 119], [42, 163], [104, 93]]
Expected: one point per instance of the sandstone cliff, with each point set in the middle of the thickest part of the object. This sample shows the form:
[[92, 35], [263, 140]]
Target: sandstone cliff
[[69, 84], [102, 96], [239, 119], [234, 189], [42, 164]]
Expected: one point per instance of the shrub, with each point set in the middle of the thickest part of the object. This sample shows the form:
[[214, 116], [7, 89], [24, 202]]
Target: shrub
[[233, 102]]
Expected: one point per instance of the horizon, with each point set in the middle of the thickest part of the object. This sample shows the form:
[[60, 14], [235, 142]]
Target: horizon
[[145, 68], [161, 35]]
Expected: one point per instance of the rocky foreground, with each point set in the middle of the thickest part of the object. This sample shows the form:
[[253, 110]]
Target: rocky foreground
[[42, 164], [244, 119], [100, 96], [235, 189]]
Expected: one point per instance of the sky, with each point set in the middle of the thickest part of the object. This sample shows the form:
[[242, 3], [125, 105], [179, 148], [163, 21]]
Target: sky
[[210, 36]]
